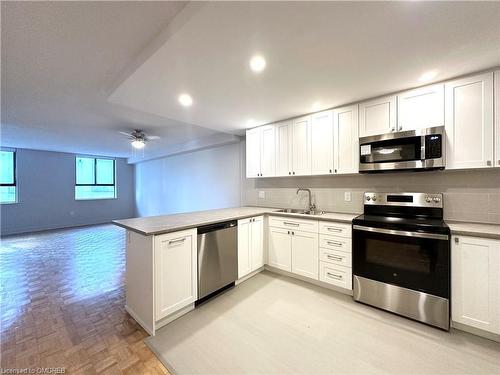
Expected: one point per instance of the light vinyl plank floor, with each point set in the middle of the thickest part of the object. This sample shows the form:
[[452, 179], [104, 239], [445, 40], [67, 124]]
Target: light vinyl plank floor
[[272, 324]]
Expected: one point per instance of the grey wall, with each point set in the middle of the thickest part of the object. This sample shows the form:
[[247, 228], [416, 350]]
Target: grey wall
[[46, 195], [200, 180], [472, 195]]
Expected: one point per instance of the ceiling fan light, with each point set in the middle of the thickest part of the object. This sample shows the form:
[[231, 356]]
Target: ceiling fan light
[[138, 143]]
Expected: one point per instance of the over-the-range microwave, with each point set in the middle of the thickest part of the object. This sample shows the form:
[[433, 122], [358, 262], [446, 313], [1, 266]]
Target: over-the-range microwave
[[421, 149]]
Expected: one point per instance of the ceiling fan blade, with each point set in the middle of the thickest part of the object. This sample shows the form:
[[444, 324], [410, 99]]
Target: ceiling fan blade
[[125, 133], [153, 137]]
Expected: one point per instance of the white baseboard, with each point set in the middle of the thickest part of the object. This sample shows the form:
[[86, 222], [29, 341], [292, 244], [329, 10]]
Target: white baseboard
[[168, 319], [250, 275], [307, 279], [149, 330], [476, 331]]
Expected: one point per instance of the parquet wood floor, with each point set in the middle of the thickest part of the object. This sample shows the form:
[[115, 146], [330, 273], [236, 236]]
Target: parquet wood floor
[[62, 303]]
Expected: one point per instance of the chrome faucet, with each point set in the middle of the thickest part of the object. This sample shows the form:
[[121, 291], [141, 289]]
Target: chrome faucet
[[312, 206]]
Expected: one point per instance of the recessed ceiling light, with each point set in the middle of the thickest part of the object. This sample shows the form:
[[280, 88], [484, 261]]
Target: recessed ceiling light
[[257, 63], [138, 143], [185, 99], [428, 76], [316, 106]]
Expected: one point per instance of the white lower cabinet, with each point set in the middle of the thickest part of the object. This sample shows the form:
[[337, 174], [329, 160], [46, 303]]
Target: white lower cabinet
[[475, 282], [175, 271], [305, 254], [335, 275], [280, 249], [250, 245], [294, 251]]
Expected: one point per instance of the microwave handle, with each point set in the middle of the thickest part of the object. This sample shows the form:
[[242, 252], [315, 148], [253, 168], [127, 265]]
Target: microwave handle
[[434, 236], [422, 148]]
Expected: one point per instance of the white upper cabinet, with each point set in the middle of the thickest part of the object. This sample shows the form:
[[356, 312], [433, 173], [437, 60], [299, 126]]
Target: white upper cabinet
[[261, 152], [475, 282], [267, 152], [346, 150], [421, 108], [301, 146], [322, 143], [253, 152], [377, 116], [283, 136], [469, 122], [497, 117]]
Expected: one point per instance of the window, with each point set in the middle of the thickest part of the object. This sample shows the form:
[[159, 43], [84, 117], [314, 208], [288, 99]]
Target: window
[[95, 178], [8, 177]]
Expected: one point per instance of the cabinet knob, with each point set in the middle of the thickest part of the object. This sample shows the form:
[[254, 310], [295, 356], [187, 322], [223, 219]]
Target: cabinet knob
[[330, 171], [289, 172], [456, 240], [335, 171], [488, 163], [293, 172], [288, 232]]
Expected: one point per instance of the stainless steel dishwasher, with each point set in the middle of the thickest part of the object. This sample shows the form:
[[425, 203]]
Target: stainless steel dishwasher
[[217, 258]]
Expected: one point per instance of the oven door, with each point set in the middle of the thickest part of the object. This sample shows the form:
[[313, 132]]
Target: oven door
[[413, 260]]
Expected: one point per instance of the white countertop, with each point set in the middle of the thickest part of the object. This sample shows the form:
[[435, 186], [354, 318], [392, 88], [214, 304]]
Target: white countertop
[[152, 225], [475, 229]]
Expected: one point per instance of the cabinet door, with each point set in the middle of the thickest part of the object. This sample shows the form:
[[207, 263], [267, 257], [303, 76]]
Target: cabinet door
[[301, 146], [283, 149], [421, 108], [268, 151], [280, 249], [175, 264], [244, 247], [475, 276], [253, 152], [322, 143], [257, 242], [346, 137], [469, 122], [305, 252], [377, 116], [497, 117]]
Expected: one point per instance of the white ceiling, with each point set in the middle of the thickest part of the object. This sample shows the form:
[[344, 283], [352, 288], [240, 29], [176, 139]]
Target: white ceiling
[[59, 60], [75, 73], [331, 52]]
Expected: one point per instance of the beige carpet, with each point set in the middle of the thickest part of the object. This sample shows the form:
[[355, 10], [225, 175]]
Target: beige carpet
[[273, 324]]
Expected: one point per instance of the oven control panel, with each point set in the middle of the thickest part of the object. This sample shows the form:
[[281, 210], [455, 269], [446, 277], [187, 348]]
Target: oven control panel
[[404, 199]]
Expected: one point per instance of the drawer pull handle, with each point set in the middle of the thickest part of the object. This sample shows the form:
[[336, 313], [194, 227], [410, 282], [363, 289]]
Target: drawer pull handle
[[333, 257], [177, 241], [288, 223], [339, 244], [334, 229], [332, 275]]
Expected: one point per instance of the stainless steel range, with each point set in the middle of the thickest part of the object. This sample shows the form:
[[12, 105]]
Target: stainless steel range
[[401, 256]]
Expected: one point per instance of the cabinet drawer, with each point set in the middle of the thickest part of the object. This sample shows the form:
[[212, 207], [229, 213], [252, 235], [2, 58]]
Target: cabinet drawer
[[335, 243], [339, 258], [335, 275], [293, 223], [335, 229]]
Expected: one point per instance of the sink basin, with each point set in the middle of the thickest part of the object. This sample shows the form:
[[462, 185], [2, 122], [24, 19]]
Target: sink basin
[[302, 212], [292, 211]]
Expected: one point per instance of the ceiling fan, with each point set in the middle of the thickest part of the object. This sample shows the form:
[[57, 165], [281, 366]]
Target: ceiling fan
[[138, 139]]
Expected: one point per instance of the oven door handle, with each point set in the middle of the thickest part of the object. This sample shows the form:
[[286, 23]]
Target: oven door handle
[[433, 236]]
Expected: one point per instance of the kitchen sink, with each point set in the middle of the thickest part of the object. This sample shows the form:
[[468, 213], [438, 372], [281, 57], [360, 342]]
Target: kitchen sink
[[302, 212]]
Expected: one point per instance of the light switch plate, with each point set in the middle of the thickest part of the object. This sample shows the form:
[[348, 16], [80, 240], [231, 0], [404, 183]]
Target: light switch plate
[[262, 194], [347, 196]]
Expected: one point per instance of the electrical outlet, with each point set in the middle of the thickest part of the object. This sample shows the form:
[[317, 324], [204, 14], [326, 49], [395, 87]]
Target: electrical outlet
[[262, 194], [347, 196]]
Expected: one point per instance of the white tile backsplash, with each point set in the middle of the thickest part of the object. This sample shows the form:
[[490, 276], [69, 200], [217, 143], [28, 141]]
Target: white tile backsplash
[[472, 195]]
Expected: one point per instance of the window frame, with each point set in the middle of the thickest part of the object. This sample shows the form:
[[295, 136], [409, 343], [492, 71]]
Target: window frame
[[14, 182], [95, 177]]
